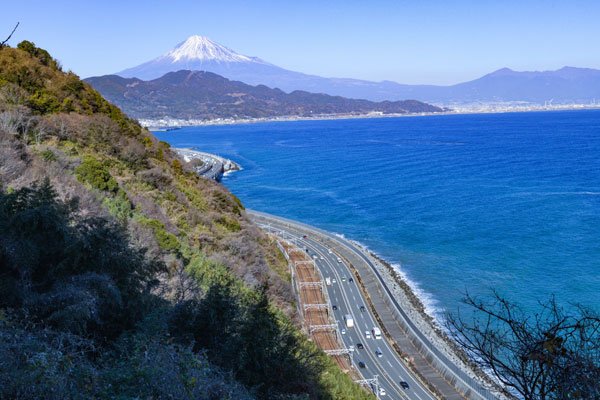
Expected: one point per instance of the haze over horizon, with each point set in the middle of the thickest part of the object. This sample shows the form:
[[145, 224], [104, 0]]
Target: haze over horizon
[[432, 43]]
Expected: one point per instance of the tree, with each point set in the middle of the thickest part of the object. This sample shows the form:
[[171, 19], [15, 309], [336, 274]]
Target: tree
[[72, 272], [553, 354]]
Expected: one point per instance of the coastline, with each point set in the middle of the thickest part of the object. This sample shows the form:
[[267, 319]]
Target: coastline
[[404, 292], [171, 124], [411, 297], [408, 293]]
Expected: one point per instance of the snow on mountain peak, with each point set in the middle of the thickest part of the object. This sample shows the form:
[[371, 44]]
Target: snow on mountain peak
[[202, 48]]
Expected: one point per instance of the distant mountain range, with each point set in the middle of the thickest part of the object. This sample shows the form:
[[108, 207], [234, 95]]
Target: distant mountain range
[[194, 95], [566, 85]]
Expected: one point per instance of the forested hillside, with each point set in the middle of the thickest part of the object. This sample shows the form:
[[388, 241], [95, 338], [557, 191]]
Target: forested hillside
[[122, 273], [200, 95]]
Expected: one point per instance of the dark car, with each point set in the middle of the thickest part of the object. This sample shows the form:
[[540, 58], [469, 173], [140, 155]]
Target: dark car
[[334, 307], [359, 346], [404, 385], [350, 279], [361, 364], [363, 309]]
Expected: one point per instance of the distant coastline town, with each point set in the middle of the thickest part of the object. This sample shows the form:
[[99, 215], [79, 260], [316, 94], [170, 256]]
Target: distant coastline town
[[167, 124]]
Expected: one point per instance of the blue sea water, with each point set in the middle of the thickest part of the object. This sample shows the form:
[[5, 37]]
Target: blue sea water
[[459, 202]]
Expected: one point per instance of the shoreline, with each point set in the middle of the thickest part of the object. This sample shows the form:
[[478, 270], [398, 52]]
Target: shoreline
[[424, 316], [404, 292], [173, 124]]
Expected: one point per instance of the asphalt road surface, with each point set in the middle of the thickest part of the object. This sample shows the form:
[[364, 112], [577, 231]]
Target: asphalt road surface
[[346, 296]]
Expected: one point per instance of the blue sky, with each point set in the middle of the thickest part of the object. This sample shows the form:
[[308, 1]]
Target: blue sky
[[438, 42]]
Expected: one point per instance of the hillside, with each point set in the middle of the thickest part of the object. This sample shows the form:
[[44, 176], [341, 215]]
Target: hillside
[[205, 95], [122, 273], [566, 85]]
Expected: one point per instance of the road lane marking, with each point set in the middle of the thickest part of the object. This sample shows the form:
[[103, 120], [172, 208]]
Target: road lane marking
[[375, 362]]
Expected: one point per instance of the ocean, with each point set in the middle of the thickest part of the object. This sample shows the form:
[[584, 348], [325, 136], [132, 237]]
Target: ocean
[[458, 203]]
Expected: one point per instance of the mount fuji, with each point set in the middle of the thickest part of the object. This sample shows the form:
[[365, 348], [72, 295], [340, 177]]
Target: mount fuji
[[199, 53]]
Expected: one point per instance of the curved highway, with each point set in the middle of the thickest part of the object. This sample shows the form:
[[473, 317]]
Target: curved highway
[[346, 298], [377, 357]]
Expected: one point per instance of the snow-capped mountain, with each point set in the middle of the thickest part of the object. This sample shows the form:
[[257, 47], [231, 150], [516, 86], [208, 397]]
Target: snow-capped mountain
[[198, 53], [202, 48], [202, 54]]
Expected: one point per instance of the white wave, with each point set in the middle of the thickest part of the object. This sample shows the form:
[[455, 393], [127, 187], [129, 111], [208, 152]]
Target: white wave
[[231, 171], [431, 305]]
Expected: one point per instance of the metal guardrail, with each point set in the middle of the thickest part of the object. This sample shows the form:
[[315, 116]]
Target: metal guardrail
[[337, 352], [314, 306]]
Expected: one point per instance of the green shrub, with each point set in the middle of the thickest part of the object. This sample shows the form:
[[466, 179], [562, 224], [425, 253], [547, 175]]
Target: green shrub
[[230, 224], [177, 167], [48, 155], [146, 141], [95, 173], [227, 202], [77, 274], [167, 241], [41, 54], [119, 206], [207, 272], [43, 102], [193, 194]]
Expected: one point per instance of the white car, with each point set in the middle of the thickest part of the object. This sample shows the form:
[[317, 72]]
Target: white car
[[333, 280], [382, 391], [343, 331], [330, 252], [368, 334]]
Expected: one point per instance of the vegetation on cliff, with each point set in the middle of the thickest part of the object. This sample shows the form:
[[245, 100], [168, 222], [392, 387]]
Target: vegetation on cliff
[[122, 273]]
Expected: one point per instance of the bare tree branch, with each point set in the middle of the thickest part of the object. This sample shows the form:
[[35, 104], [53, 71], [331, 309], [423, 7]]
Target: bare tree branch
[[552, 354], [9, 36]]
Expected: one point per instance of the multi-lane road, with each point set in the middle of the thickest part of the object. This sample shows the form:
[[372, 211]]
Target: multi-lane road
[[377, 357], [345, 297]]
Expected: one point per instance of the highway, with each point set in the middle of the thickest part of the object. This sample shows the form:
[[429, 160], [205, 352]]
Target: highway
[[213, 166], [390, 369], [345, 295]]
